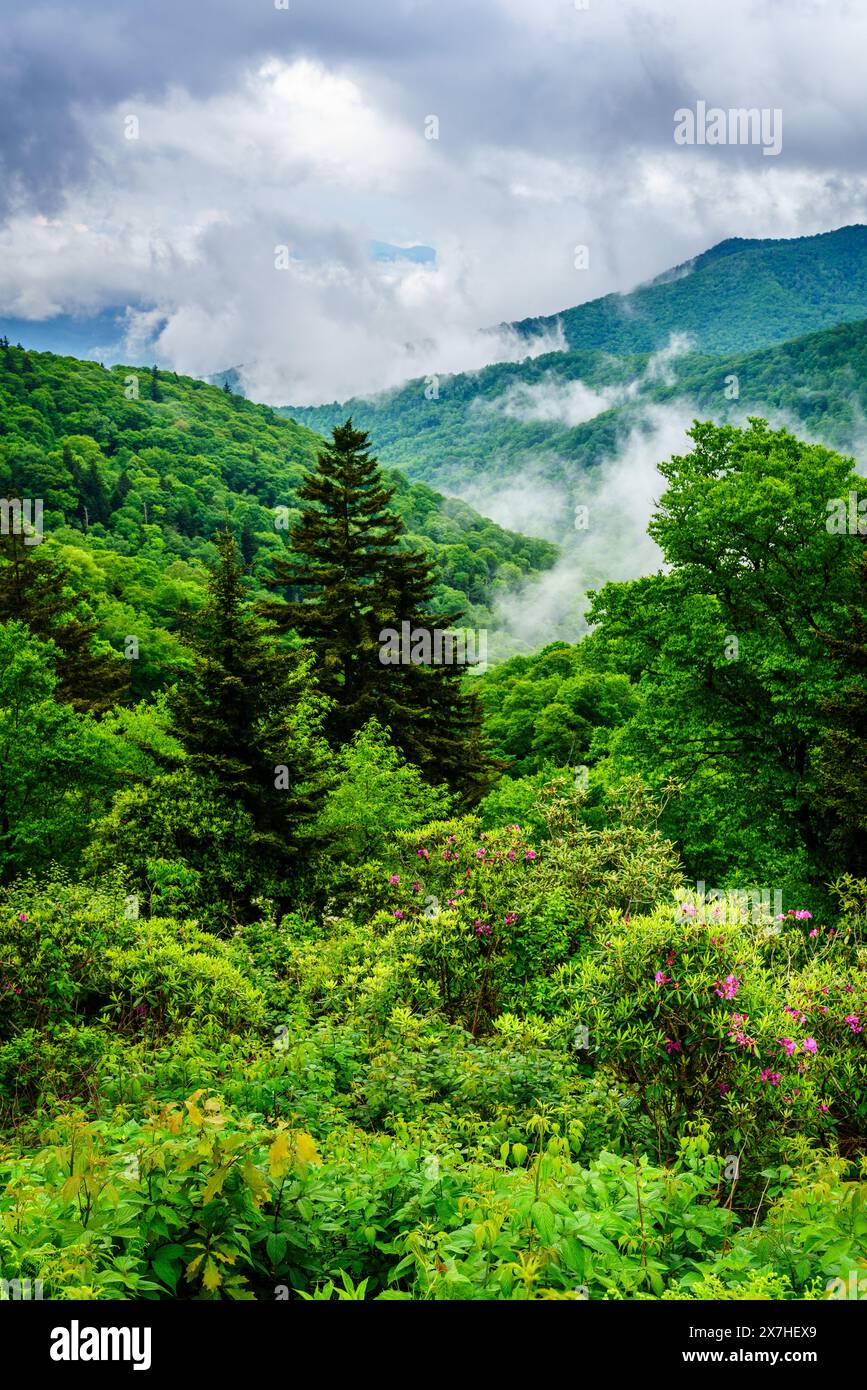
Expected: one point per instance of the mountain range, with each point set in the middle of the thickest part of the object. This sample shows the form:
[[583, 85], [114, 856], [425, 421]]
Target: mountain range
[[748, 327]]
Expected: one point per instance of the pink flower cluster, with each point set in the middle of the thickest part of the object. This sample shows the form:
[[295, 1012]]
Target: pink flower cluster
[[790, 1047], [738, 1034]]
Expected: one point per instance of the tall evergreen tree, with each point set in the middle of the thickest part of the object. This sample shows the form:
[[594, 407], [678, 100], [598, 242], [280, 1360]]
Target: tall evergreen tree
[[248, 716], [120, 492], [348, 580], [37, 588], [248, 541], [96, 495]]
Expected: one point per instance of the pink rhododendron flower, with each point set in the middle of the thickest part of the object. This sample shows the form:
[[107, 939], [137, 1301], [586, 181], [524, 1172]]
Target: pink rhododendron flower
[[395, 878], [660, 978], [772, 1076], [398, 914], [729, 989], [808, 1045], [531, 854], [788, 1046], [854, 1023], [672, 1046]]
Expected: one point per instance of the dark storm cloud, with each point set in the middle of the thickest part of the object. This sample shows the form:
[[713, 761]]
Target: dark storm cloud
[[305, 126], [542, 77]]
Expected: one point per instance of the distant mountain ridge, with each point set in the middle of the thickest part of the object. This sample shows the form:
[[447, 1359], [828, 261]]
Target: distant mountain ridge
[[786, 318], [737, 295]]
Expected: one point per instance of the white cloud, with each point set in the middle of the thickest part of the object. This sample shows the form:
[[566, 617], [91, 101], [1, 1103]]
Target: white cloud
[[554, 400], [620, 496], [307, 129]]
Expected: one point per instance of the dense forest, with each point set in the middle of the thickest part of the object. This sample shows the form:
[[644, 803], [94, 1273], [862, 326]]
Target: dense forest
[[138, 470], [327, 976]]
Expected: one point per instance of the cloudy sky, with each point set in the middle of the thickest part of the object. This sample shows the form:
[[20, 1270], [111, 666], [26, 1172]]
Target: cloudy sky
[[154, 157]]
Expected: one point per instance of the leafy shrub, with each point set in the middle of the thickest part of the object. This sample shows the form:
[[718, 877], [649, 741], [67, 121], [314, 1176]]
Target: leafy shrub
[[71, 963], [704, 1023]]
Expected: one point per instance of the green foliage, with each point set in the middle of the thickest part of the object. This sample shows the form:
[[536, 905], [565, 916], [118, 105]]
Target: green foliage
[[476, 922], [198, 1202], [55, 766], [36, 588], [74, 964], [377, 795], [842, 757], [726, 648], [338, 1039], [546, 709]]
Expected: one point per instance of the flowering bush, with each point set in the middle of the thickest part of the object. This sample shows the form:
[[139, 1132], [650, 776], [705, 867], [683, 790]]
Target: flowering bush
[[702, 1026]]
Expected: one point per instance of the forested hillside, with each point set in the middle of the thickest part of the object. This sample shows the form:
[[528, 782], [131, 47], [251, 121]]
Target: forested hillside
[[738, 295], [138, 470]]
